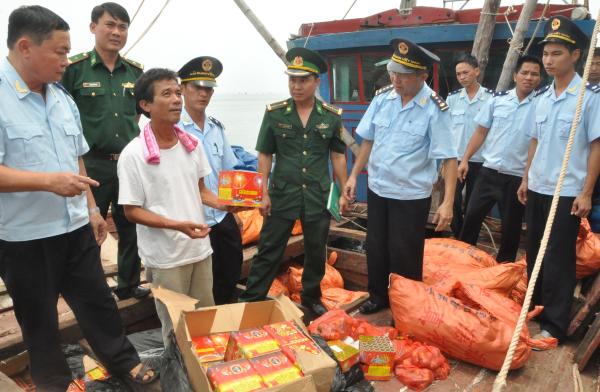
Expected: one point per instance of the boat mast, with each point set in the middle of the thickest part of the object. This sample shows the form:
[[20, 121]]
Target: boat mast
[[484, 34], [344, 134], [516, 43]]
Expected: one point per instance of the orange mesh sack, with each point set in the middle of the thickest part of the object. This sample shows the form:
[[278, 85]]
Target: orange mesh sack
[[252, 222], [588, 251], [462, 332], [335, 297], [331, 279], [501, 278], [458, 253], [297, 229]]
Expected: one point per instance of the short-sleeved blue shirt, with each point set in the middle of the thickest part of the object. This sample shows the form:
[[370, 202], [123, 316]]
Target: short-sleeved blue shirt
[[507, 141], [40, 136], [219, 153], [550, 124], [408, 142], [463, 111]]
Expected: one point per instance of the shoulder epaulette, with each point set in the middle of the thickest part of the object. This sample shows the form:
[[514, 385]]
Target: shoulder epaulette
[[488, 90], [384, 89], [454, 92], [440, 103], [216, 122], [64, 89], [134, 63], [595, 88], [277, 105], [333, 109], [541, 90], [499, 93], [78, 57]]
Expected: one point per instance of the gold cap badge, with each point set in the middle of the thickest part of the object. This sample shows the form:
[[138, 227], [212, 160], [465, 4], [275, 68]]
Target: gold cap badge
[[207, 65], [402, 48], [298, 61], [555, 24]]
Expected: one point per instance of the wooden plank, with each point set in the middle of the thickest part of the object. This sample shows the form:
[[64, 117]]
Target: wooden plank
[[589, 304], [15, 365], [350, 261], [588, 345], [131, 311], [348, 233]]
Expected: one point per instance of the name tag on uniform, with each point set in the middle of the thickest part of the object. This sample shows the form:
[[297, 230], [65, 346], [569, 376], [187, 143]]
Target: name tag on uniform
[[92, 84], [322, 126], [284, 126], [127, 85]]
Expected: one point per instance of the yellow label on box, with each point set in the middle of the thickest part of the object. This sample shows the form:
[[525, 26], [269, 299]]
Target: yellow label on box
[[378, 371], [247, 384]]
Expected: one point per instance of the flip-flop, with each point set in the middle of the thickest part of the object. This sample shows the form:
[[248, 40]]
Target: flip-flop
[[139, 377]]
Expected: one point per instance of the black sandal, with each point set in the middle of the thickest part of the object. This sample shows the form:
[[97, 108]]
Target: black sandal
[[143, 372]]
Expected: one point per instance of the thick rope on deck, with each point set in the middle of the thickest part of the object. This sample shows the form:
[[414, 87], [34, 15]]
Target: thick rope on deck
[[500, 381]]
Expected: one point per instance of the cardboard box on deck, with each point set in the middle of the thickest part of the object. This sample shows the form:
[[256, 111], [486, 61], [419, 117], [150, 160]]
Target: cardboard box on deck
[[188, 321]]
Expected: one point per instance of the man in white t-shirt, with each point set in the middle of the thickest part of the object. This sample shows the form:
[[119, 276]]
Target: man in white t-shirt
[[162, 190]]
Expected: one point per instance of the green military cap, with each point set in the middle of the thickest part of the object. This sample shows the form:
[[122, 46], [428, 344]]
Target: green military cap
[[409, 57], [202, 71], [305, 62], [563, 30]]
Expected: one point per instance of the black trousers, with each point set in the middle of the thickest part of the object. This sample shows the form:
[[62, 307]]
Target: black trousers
[[227, 258], [35, 273], [395, 241], [556, 281], [469, 183], [493, 187]]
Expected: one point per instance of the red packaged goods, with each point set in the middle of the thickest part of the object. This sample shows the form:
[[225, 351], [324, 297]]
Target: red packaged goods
[[250, 343], [240, 188], [235, 376], [414, 377], [345, 354], [588, 251], [286, 332], [307, 346], [377, 355], [276, 369], [220, 340], [205, 349]]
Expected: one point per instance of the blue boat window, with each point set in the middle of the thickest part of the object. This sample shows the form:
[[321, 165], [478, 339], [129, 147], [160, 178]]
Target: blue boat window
[[345, 79], [374, 76]]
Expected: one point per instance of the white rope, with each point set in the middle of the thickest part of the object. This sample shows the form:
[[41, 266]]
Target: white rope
[[148, 28], [347, 12], [309, 33], [137, 11], [500, 381], [491, 236]]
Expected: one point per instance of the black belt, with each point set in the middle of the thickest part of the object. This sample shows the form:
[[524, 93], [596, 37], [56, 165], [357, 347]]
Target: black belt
[[102, 155]]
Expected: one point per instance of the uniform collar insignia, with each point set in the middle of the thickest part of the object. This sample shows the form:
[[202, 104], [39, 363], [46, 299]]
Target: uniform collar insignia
[[322, 126], [572, 89], [423, 101], [392, 94], [20, 89], [319, 107]]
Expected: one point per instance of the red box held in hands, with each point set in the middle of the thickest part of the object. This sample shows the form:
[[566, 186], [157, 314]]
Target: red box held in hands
[[240, 188]]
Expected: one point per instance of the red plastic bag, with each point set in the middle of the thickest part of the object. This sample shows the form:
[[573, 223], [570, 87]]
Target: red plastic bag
[[252, 222], [364, 328], [518, 293], [333, 325], [588, 251], [414, 377], [461, 331], [428, 357]]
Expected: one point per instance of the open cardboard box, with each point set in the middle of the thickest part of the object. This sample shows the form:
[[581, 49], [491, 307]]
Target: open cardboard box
[[189, 322]]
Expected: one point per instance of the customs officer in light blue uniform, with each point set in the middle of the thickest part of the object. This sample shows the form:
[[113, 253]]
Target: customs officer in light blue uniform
[[198, 78], [465, 104], [406, 136], [549, 128], [503, 128]]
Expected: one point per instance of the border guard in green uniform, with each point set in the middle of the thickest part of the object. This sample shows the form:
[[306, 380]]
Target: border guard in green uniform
[[304, 134], [101, 83]]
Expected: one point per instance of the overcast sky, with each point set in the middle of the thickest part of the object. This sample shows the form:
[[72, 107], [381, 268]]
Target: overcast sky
[[190, 28]]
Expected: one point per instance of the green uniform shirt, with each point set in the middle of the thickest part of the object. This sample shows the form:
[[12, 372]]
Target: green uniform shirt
[[300, 180], [105, 100]]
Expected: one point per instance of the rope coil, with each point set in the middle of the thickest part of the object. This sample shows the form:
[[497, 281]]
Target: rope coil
[[500, 381]]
